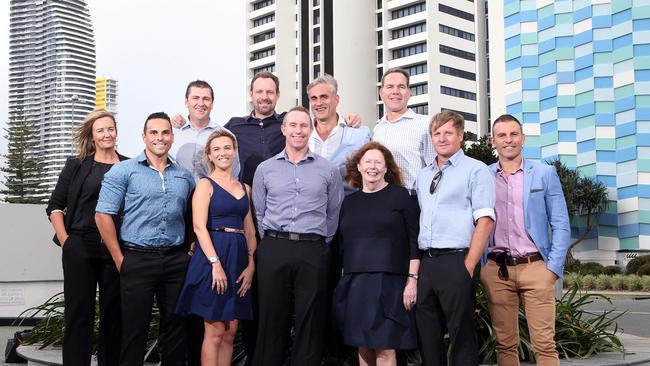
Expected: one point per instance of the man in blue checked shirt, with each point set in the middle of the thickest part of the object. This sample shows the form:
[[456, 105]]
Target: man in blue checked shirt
[[154, 193], [456, 196]]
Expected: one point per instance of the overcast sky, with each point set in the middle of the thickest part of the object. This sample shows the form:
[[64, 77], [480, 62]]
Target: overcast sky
[[154, 48]]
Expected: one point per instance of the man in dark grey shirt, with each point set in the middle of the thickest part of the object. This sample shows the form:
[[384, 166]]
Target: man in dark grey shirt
[[297, 195]]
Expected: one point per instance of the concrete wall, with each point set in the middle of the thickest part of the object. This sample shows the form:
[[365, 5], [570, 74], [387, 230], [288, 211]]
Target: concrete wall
[[30, 263]]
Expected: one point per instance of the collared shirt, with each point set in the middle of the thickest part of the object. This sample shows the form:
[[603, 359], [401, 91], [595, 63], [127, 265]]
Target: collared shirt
[[155, 203], [189, 146], [408, 139], [258, 140], [301, 198], [464, 194], [326, 148], [510, 230]]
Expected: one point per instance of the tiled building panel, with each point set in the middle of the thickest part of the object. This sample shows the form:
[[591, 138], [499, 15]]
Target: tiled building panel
[[578, 76]]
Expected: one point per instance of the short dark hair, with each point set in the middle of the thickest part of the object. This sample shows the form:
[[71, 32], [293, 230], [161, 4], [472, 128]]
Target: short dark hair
[[156, 115], [198, 84], [266, 75], [506, 118], [396, 70]]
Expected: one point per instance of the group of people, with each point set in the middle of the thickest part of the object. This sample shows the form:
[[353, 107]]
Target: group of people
[[255, 222]]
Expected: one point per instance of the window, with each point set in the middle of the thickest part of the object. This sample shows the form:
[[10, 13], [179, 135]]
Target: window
[[379, 20], [409, 10], [316, 35], [457, 93], [419, 89], [316, 71], [263, 4], [380, 56], [316, 16], [456, 72], [269, 68], [458, 53], [409, 50], [263, 20], [456, 32], [416, 69], [316, 53], [467, 116], [420, 108], [456, 12], [263, 53], [380, 37], [410, 30], [380, 73], [316, 2]]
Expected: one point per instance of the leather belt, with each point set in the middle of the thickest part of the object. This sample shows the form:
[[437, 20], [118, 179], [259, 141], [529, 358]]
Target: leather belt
[[293, 236], [434, 252], [155, 250], [227, 230], [501, 257]]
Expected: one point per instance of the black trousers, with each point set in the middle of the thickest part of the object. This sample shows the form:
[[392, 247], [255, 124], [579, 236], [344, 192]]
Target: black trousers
[[86, 264], [446, 302], [143, 276], [289, 270]]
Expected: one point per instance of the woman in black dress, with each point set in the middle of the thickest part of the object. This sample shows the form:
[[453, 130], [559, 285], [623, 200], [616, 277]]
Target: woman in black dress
[[378, 229], [86, 261]]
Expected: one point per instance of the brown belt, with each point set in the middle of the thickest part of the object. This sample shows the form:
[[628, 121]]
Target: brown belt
[[513, 261]]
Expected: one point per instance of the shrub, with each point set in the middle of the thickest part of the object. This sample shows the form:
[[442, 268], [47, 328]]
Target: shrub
[[572, 266], [634, 264], [645, 283], [644, 270], [633, 282], [603, 282], [591, 268], [617, 282], [612, 270], [570, 279], [588, 282]]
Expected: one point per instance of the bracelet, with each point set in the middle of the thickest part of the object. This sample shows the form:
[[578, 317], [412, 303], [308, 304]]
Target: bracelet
[[413, 276]]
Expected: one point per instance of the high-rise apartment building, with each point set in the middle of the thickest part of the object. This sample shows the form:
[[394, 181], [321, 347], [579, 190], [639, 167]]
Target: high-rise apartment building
[[577, 74], [106, 94], [51, 73], [441, 43]]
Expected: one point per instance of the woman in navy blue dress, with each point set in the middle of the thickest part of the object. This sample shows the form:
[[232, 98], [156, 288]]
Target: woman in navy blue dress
[[220, 272]]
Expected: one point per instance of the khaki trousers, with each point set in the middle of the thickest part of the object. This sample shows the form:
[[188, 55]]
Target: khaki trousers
[[534, 285]]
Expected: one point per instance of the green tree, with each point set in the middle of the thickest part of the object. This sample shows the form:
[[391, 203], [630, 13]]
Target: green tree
[[482, 150], [585, 196], [24, 164]]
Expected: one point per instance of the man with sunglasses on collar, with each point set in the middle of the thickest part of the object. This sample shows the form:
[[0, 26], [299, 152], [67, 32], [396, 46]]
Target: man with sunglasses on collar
[[525, 259], [456, 196]]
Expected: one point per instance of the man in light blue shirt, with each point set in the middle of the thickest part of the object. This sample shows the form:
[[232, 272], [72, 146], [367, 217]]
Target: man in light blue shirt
[[456, 196], [153, 193]]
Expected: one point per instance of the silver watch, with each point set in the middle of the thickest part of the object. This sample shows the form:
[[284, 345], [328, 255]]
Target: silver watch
[[213, 259]]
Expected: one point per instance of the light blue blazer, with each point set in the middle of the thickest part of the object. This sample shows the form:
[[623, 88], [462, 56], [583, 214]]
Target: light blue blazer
[[352, 140], [546, 217]]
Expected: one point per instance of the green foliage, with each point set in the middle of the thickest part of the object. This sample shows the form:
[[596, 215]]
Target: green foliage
[[644, 270], [482, 150], [617, 282], [24, 163], [603, 282], [591, 268], [633, 283], [612, 270], [588, 282], [636, 263], [570, 279], [645, 283]]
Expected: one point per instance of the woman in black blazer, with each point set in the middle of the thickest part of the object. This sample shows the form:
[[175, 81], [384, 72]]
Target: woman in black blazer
[[86, 262]]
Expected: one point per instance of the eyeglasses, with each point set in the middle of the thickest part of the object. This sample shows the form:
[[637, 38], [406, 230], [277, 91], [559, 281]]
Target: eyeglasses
[[435, 181]]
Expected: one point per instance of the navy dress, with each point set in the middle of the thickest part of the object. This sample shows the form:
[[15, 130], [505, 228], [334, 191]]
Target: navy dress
[[197, 296]]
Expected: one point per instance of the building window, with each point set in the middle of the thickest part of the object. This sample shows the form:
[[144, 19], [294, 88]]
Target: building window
[[380, 73], [317, 35], [380, 56], [316, 71], [316, 3], [379, 20], [416, 69], [263, 20], [380, 38], [263, 4], [316, 16], [409, 50], [457, 93], [380, 110], [458, 53], [419, 89], [379, 4], [410, 30], [456, 32], [263, 53], [409, 10], [316, 53], [268, 68], [420, 108], [456, 12], [467, 116], [458, 73]]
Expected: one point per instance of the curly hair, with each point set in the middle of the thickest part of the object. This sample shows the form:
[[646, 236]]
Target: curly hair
[[353, 176], [206, 152]]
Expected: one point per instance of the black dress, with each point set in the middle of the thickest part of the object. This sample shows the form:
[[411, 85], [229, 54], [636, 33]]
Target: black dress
[[378, 237]]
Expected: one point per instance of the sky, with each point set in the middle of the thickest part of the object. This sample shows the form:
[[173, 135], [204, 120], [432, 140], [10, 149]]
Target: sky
[[154, 48]]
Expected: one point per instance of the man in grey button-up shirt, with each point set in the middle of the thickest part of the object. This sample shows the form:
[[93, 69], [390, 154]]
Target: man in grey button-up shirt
[[297, 195]]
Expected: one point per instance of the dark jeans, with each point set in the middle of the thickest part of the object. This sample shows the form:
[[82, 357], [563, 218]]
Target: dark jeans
[[86, 263], [446, 301], [144, 275], [298, 270]]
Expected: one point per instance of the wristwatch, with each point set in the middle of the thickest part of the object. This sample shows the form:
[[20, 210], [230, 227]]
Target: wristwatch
[[413, 276], [213, 259]]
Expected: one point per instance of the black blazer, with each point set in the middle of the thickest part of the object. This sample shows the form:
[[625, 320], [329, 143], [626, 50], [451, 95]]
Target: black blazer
[[68, 188]]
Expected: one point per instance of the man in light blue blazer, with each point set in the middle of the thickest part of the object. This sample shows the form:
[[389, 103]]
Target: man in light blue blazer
[[332, 138], [524, 258]]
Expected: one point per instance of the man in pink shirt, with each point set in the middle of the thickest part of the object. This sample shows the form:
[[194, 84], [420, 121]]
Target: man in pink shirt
[[524, 260]]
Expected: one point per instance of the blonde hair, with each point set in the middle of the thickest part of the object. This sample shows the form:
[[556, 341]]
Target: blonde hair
[[206, 152], [443, 117], [83, 136]]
